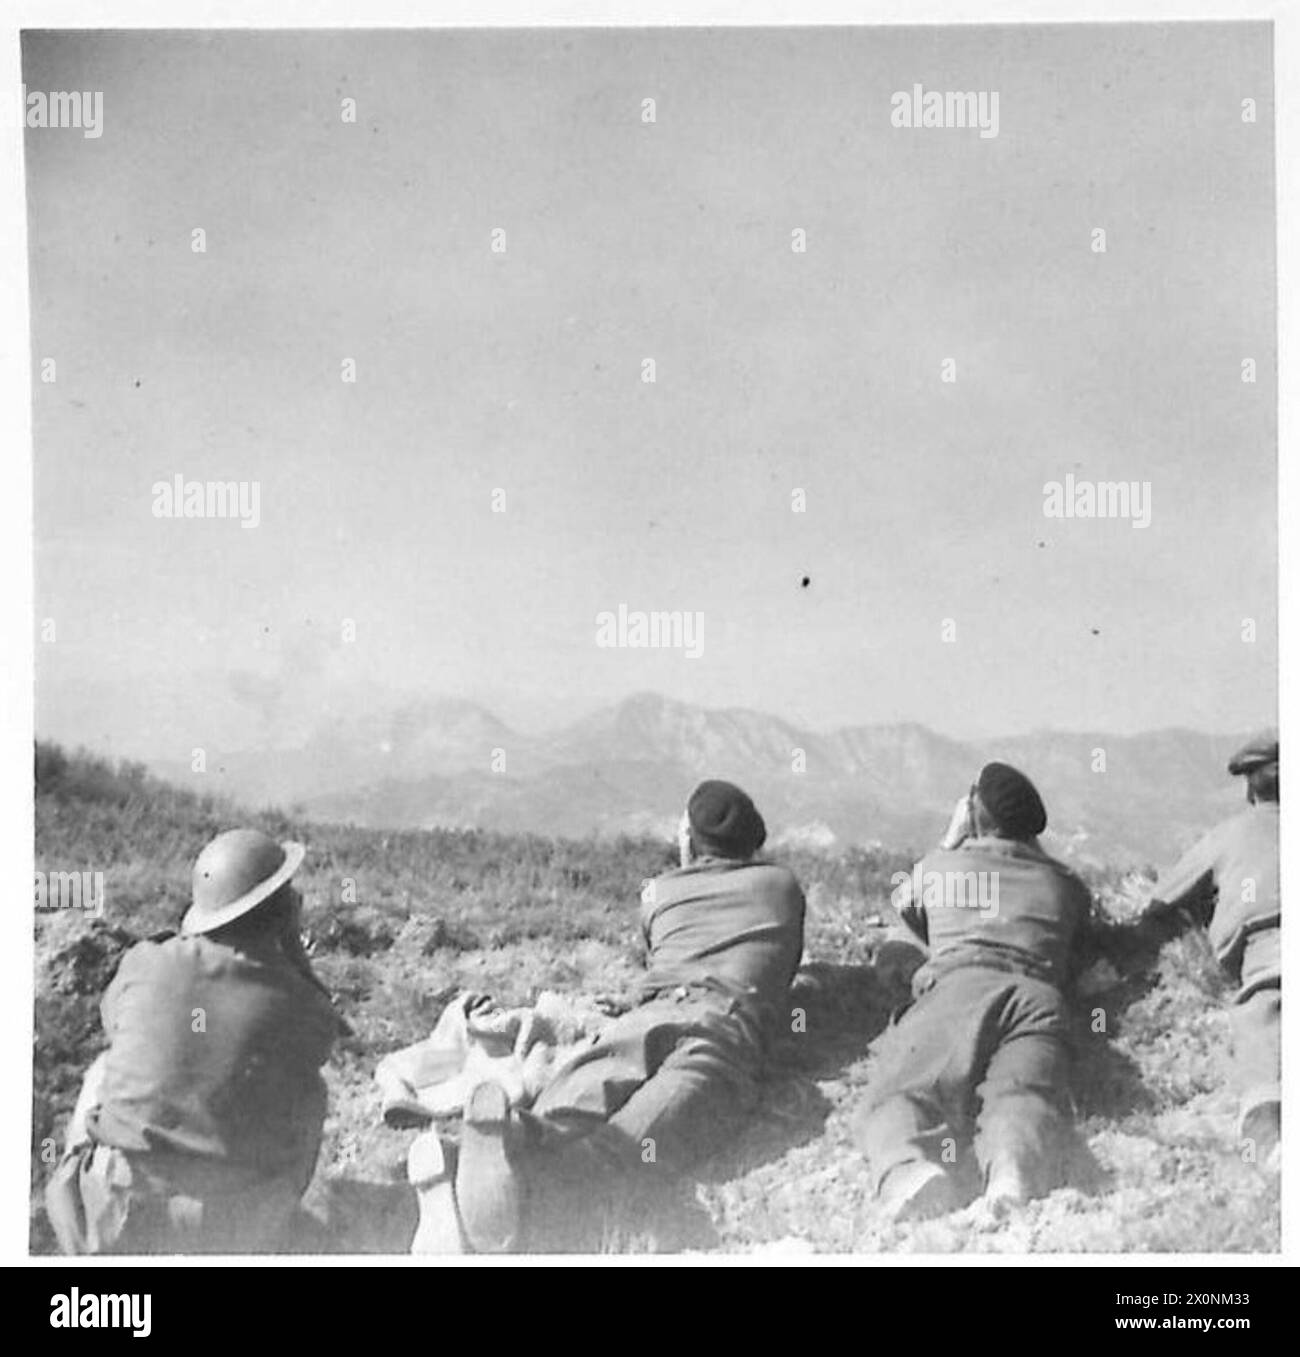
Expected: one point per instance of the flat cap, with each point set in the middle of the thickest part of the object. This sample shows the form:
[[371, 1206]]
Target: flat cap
[[1258, 752]]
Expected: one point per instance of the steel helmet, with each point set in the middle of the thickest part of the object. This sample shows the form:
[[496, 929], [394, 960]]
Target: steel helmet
[[234, 874]]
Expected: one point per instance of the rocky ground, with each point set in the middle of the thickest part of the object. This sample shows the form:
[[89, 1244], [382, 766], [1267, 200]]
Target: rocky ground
[[1157, 1169]]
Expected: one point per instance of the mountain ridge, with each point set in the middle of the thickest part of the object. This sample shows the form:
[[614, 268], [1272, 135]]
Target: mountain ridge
[[628, 767]]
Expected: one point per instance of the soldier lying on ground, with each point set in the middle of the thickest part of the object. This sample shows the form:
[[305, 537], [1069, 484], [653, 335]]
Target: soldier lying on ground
[[197, 1131], [983, 1053], [667, 1082], [1228, 883]]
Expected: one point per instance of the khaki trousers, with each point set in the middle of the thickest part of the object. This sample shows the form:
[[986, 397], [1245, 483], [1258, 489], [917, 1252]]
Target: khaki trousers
[[661, 1088], [980, 1059], [1256, 1020]]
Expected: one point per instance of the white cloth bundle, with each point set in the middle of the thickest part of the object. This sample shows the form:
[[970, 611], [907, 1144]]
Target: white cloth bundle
[[475, 1040]]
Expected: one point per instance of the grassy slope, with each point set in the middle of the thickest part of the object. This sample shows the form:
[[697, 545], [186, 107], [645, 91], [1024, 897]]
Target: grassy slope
[[438, 912]]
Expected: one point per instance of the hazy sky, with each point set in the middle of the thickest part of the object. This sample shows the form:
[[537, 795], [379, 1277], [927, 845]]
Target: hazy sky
[[775, 370]]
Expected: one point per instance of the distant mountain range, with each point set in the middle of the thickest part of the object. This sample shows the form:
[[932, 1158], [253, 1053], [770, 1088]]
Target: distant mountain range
[[629, 768]]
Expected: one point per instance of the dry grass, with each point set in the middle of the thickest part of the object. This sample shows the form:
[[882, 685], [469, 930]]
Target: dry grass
[[438, 912]]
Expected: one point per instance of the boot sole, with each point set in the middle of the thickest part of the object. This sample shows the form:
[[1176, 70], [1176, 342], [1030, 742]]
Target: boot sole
[[487, 1189], [932, 1197], [437, 1229]]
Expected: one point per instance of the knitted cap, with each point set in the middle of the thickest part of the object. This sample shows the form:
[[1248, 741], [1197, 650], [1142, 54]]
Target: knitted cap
[[724, 821], [1012, 800]]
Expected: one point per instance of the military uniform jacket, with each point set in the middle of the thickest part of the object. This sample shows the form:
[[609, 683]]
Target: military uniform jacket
[[735, 925], [1228, 881], [214, 1055], [998, 902]]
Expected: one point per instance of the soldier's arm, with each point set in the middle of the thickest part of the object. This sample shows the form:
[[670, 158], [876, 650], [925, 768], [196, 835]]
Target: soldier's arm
[[291, 945], [910, 910], [798, 910], [961, 826], [127, 974], [1103, 948], [1184, 896], [1133, 944], [296, 955], [645, 915], [1083, 944]]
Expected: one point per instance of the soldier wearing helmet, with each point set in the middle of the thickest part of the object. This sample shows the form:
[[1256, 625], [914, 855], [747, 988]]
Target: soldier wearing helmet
[[1228, 884], [198, 1129]]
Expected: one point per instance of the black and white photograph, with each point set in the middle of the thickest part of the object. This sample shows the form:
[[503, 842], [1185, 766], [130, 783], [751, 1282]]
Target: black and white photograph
[[651, 640]]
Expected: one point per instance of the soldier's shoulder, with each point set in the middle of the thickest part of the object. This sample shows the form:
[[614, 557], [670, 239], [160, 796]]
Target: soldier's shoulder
[[776, 876], [155, 945], [968, 855], [1077, 882], [151, 956], [656, 889], [1069, 870], [769, 867], [195, 953]]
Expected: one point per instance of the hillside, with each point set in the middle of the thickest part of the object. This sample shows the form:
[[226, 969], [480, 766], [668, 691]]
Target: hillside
[[511, 915], [623, 770]]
